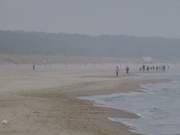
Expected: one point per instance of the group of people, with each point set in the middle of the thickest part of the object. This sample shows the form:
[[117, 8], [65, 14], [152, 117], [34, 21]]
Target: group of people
[[145, 68]]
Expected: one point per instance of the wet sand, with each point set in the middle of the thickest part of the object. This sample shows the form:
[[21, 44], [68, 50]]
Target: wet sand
[[44, 102]]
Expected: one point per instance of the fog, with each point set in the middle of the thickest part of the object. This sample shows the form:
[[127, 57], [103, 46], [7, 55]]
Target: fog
[[129, 17]]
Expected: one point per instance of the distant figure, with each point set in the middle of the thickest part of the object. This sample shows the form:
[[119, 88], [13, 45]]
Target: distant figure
[[147, 68], [140, 69], [34, 67], [127, 70], [117, 71], [164, 68], [157, 68], [144, 68]]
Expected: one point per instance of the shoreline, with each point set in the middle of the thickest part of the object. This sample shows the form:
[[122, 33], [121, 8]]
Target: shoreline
[[134, 86], [91, 119], [46, 103], [116, 127]]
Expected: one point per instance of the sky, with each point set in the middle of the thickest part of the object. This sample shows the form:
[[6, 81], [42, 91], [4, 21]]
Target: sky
[[115, 17]]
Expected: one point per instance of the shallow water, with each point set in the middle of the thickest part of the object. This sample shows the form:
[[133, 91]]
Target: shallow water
[[158, 107]]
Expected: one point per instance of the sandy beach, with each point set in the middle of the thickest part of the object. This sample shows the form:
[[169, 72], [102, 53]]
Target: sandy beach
[[45, 101]]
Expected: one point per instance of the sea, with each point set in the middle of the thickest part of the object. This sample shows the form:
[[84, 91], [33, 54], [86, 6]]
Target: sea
[[157, 105]]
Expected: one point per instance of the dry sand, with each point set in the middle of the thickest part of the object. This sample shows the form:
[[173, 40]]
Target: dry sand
[[44, 102]]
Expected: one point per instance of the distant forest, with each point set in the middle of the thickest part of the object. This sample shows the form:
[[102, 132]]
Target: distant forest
[[18, 42]]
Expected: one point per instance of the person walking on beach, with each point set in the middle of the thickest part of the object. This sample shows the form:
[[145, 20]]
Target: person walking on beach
[[140, 69], [34, 67], [144, 68], [127, 70], [164, 68], [117, 71], [157, 68], [147, 68]]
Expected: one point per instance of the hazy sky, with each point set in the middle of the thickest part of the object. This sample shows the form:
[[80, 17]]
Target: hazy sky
[[132, 17]]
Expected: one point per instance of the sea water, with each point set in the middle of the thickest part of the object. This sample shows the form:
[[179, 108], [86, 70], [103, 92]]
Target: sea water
[[158, 106]]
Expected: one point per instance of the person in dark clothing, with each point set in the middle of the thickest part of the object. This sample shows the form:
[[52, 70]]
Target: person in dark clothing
[[147, 68], [144, 68], [34, 67], [127, 70], [164, 68], [157, 68], [117, 71]]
